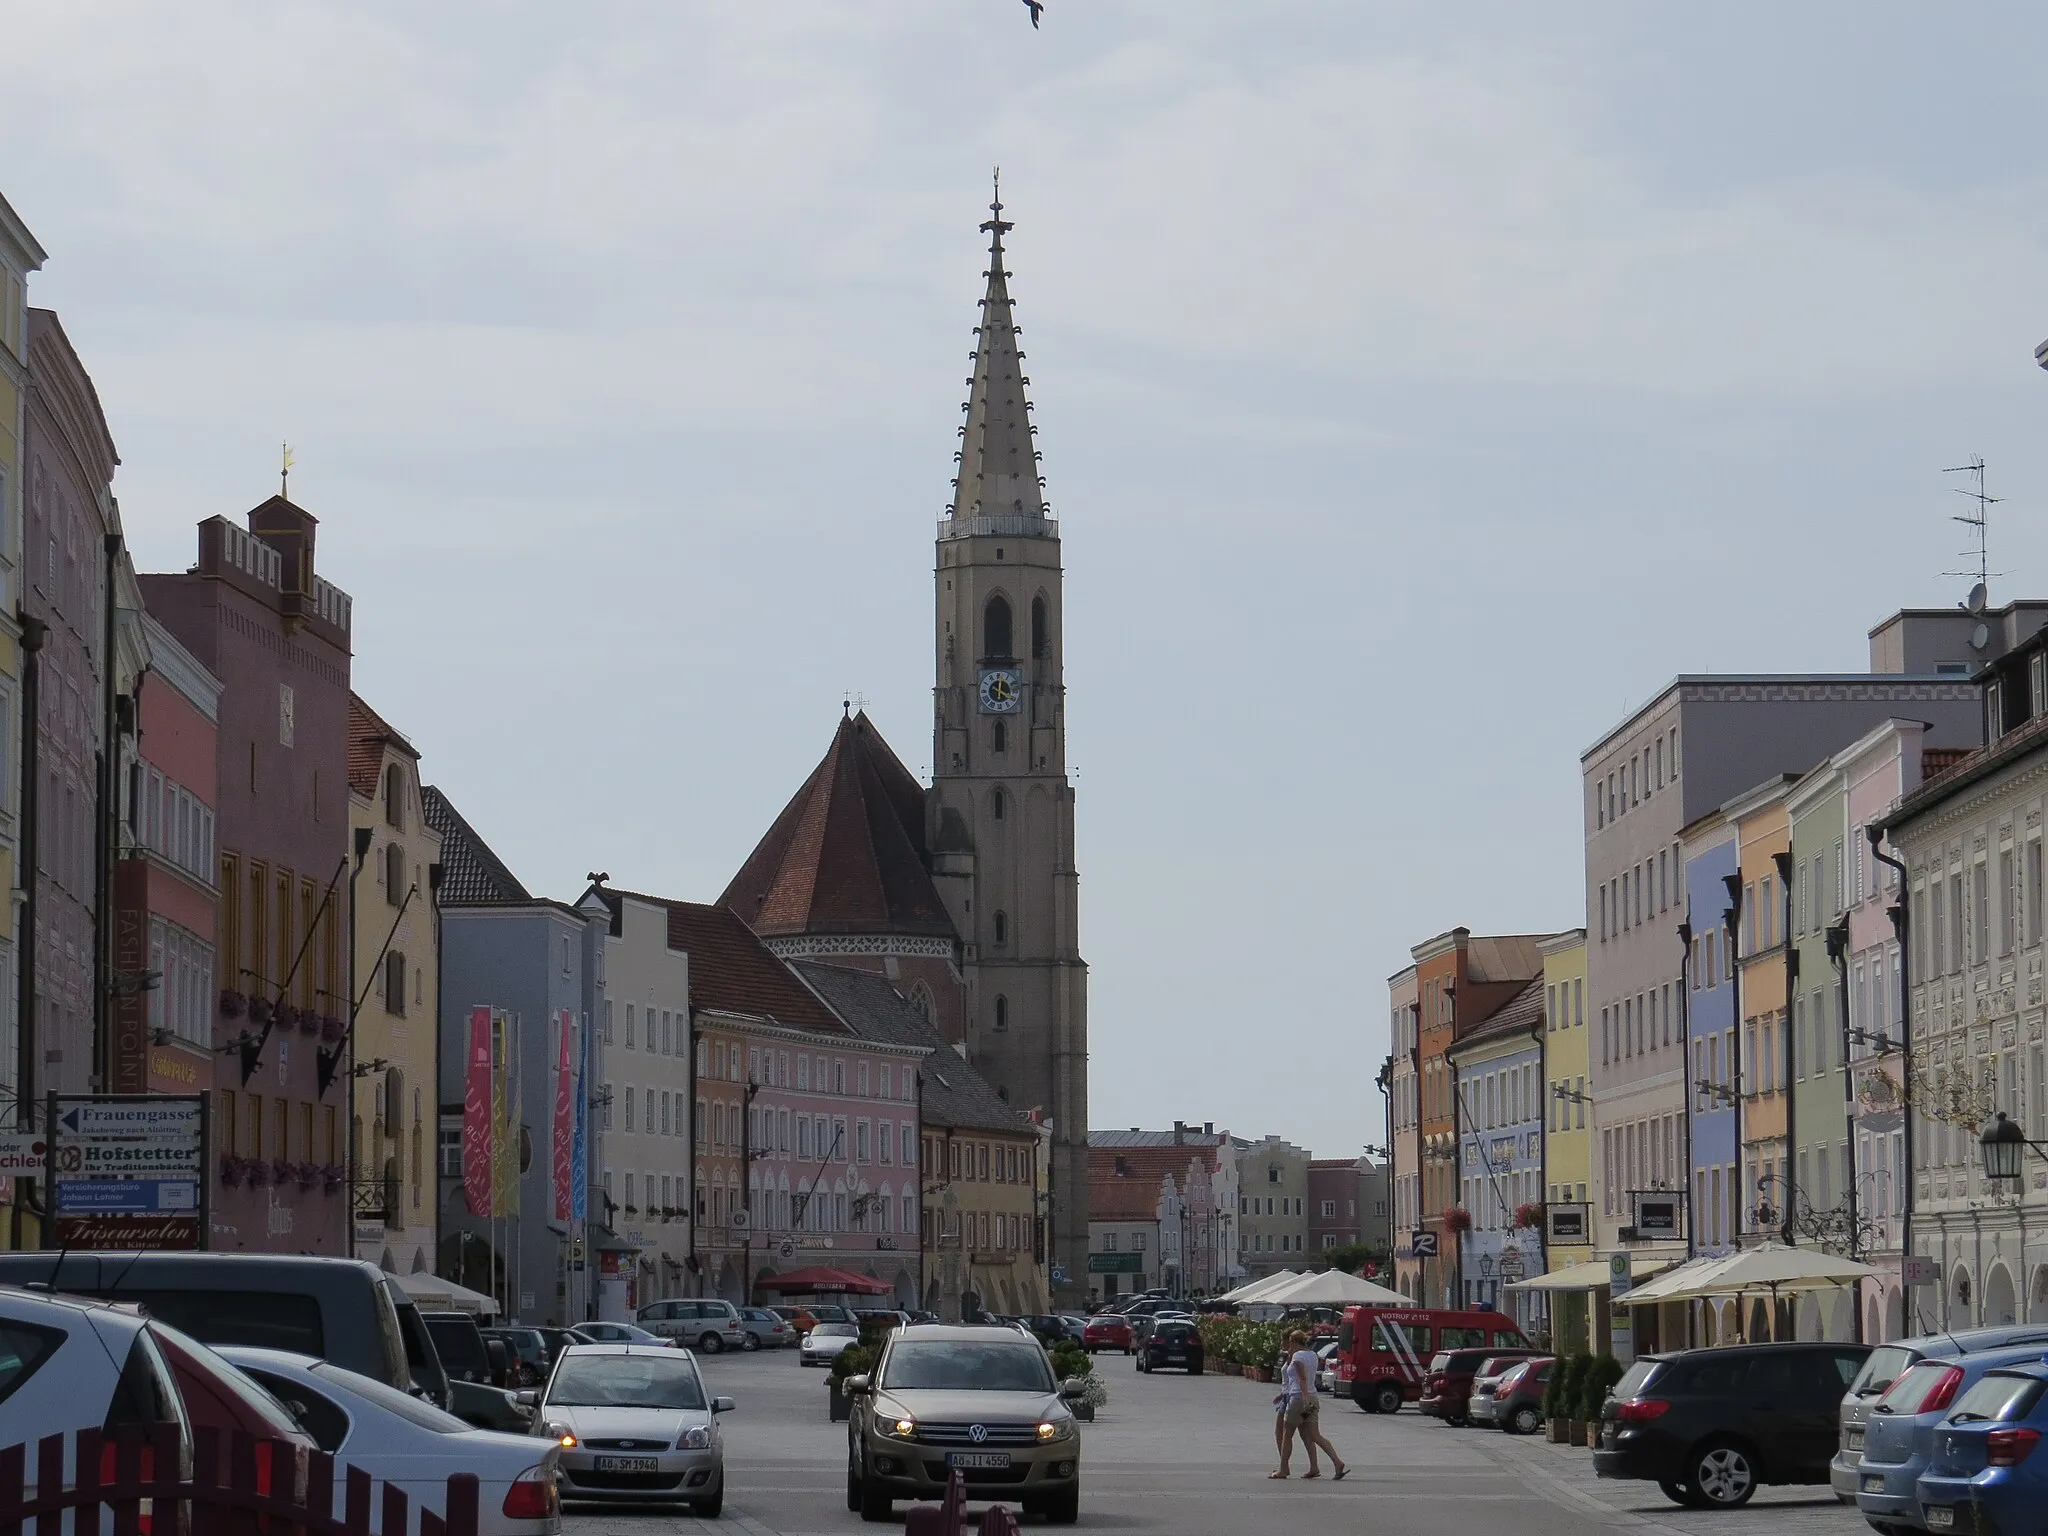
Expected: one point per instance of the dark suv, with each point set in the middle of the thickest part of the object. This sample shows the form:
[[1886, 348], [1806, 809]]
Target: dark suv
[[1707, 1426], [1447, 1389], [1174, 1344]]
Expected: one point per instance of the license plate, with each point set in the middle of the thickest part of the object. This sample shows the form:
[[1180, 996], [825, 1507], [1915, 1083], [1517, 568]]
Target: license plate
[[1855, 1439], [1873, 1485], [628, 1464], [978, 1461], [1940, 1519]]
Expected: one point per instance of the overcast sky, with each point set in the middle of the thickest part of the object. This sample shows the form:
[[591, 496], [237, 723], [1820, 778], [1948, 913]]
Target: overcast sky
[[1420, 388]]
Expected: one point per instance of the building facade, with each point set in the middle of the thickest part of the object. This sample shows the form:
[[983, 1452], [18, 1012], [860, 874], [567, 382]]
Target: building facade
[[1708, 850], [1497, 1063], [1272, 1206], [255, 612], [1567, 1142], [1404, 1126], [393, 1038]]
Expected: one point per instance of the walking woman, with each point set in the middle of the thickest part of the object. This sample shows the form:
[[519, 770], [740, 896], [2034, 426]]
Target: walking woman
[[1302, 1411]]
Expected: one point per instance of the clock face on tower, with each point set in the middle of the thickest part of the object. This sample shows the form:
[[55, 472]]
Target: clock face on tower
[[999, 690]]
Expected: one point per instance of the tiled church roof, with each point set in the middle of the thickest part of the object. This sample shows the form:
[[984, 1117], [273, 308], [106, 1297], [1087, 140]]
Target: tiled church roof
[[847, 853]]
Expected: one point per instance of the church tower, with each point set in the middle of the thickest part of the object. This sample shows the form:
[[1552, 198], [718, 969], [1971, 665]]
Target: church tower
[[1001, 828]]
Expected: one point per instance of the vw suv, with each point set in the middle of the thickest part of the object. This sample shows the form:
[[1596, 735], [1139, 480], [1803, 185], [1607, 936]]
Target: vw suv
[[981, 1401]]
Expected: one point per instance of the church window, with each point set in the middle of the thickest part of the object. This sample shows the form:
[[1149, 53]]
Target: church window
[[1002, 928], [1002, 1013], [996, 805], [1001, 736], [995, 628]]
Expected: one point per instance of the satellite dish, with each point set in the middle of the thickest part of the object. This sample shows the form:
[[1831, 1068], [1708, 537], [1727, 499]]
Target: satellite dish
[[1976, 601], [1980, 637]]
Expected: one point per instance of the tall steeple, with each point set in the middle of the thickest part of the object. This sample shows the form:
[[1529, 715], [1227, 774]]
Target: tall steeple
[[998, 463]]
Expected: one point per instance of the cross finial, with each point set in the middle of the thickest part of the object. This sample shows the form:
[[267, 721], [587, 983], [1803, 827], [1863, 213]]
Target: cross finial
[[997, 226]]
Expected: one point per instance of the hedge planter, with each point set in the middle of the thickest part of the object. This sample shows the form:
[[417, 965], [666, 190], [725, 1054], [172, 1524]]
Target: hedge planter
[[841, 1405], [1582, 1432], [1559, 1430]]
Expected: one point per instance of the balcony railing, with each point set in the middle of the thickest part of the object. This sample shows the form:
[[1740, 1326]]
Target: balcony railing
[[1008, 526]]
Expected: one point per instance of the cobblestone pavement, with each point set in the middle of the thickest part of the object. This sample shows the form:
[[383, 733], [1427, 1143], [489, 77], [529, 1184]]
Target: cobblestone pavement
[[1188, 1456]]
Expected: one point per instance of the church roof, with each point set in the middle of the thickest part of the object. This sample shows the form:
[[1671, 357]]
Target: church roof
[[733, 972], [847, 853], [998, 464]]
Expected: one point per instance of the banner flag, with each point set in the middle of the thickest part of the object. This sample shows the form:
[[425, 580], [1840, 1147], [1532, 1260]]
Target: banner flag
[[579, 1156], [478, 1150], [564, 1127]]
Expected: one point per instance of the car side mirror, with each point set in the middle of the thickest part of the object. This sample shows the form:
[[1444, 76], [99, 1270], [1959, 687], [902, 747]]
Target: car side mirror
[[723, 1405], [853, 1386], [1073, 1387], [527, 1399]]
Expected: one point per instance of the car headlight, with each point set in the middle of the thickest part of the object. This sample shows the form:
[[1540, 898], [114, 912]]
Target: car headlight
[[895, 1428], [561, 1434], [1055, 1429], [697, 1439]]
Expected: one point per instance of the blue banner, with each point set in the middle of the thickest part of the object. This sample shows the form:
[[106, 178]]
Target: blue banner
[[579, 1153]]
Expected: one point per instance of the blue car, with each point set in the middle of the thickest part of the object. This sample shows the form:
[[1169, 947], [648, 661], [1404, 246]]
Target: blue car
[[1899, 1432], [1983, 1478]]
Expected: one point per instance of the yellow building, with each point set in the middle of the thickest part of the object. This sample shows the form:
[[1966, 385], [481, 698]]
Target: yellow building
[[396, 980], [19, 256], [1568, 1134]]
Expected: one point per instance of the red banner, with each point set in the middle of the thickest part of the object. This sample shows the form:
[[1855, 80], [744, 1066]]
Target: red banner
[[476, 1115], [565, 1123]]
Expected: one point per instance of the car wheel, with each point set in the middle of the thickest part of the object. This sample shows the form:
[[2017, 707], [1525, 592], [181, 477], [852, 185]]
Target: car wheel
[[1723, 1475], [1677, 1493], [875, 1503], [852, 1480], [708, 1508], [749, 1342], [1525, 1420], [1063, 1508], [1387, 1399], [711, 1344]]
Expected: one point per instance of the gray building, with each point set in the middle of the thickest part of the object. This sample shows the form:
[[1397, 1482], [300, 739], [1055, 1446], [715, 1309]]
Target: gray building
[[1272, 1217], [536, 967]]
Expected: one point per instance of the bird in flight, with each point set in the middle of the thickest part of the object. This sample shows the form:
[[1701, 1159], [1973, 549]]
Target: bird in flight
[[1034, 7]]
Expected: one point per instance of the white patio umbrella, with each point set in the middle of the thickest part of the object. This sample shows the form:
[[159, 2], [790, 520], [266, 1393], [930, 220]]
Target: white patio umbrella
[[1332, 1288], [436, 1294], [1255, 1290], [1670, 1284], [1775, 1268]]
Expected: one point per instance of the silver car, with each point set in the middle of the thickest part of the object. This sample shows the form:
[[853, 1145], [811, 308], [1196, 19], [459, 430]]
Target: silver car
[[824, 1342], [410, 1444], [634, 1426], [1885, 1365], [979, 1401]]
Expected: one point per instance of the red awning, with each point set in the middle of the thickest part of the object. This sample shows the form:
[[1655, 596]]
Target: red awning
[[819, 1279]]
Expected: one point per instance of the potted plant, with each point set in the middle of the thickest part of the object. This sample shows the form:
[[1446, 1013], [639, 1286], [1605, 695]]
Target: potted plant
[[1529, 1216], [854, 1360], [1069, 1359], [1457, 1220], [1570, 1390], [309, 1022], [256, 1172], [308, 1174], [1601, 1375], [259, 1010], [332, 1028], [232, 1170], [232, 1004]]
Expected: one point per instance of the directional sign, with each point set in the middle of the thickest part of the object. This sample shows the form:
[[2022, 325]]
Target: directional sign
[[135, 1197], [162, 1117], [127, 1171]]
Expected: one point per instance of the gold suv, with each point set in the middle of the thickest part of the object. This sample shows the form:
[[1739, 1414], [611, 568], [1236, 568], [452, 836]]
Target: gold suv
[[981, 1401]]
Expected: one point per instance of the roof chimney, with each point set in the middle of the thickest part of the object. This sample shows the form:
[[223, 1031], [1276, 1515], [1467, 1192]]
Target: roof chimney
[[1180, 1132], [1208, 1127]]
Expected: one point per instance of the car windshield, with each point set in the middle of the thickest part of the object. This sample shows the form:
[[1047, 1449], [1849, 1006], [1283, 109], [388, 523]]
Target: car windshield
[[1634, 1379], [835, 1331], [935, 1365], [626, 1381], [1997, 1396], [403, 1404], [1880, 1370]]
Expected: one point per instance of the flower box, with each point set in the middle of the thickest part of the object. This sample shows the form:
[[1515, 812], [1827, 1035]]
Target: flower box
[[259, 1010], [1457, 1220], [1557, 1430], [232, 1004], [332, 1028]]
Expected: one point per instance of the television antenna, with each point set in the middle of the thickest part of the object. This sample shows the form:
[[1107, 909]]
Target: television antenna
[[1979, 524]]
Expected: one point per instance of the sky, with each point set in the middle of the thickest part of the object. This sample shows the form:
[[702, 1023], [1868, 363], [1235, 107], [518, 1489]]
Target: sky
[[1420, 388]]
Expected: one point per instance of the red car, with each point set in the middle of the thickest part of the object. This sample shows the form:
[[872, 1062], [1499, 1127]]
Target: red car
[[1108, 1332], [1447, 1389]]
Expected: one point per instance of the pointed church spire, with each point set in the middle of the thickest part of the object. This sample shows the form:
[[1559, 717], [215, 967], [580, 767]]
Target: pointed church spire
[[998, 463]]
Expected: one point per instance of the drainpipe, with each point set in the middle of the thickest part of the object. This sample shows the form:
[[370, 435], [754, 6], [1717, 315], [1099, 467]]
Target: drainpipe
[[33, 633], [1900, 913], [1692, 1090], [103, 836], [1788, 1231], [1731, 926], [1838, 952]]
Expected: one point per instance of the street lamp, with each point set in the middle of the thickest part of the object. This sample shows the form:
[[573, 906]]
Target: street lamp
[[2002, 1143]]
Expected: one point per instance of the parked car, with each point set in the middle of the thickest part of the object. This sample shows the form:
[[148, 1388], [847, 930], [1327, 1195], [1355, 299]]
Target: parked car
[[1887, 1363], [762, 1329], [1076, 1326], [615, 1333], [1173, 1344], [396, 1438], [1048, 1330], [825, 1340], [869, 1318], [1518, 1396], [1447, 1387], [702, 1323], [344, 1310], [1106, 1330], [979, 1401], [1709, 1426], [557, 1340], [1479, 1407], [635, 1425], [219, 1396], [1899, 1432], [1143, 1324], [476, 1397], [1326, 1368], [1983, 1477], [530, 1353]]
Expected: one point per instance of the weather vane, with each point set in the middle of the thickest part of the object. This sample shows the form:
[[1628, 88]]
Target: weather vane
[[284, 473]]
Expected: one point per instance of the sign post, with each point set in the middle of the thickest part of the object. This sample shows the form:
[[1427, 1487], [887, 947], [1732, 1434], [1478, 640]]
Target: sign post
[[127, 1171], [1621, 1323]]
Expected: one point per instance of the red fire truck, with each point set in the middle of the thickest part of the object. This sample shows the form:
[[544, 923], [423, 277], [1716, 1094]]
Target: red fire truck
[[1383, 1353]]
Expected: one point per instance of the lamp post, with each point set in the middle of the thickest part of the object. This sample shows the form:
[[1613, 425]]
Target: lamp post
[[1900, 912]]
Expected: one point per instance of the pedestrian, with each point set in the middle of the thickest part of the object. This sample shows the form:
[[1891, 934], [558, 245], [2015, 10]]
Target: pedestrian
[[1302, 1410]]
